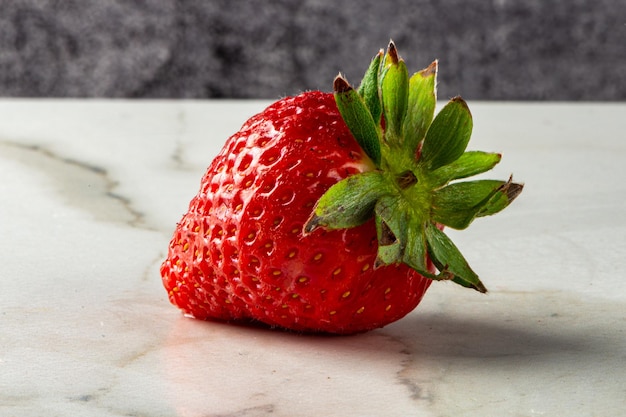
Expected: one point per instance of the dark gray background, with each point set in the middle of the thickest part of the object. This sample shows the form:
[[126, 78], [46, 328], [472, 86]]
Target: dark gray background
[[488, 49]]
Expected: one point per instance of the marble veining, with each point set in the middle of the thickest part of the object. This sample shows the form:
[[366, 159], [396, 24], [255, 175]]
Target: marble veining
[[90, 194], [69, 174]]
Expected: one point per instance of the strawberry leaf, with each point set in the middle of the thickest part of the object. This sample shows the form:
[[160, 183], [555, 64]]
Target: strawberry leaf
[[369, 87], [415, 253], [358, 118], [501, 200], [421, 106], [458, 204], [391, 230], [449, 260], [348, 203], [469, 164], [447, 136], [395, 85]]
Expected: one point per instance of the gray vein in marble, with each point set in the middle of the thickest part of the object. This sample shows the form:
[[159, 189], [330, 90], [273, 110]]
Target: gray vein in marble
[[261, 410], [87, 398], [416, 391], [177, 155], [83, 185]]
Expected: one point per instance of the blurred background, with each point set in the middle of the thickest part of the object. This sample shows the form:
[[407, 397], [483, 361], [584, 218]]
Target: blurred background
[[487, 49]]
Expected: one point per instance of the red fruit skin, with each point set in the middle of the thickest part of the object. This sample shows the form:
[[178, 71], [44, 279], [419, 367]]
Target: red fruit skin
[[239, 253]]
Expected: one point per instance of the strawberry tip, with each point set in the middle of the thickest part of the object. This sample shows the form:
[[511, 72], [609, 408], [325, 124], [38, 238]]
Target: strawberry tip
[[341, 85], [392, 51], [312, 224]]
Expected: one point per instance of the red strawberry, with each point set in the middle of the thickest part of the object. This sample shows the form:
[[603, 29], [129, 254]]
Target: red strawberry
[[311, 221]]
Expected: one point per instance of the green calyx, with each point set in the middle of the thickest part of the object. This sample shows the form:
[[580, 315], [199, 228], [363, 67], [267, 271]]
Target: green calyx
[[417, 155]]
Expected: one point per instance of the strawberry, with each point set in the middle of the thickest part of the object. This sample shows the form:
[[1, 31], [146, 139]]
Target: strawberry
[[325, 212]]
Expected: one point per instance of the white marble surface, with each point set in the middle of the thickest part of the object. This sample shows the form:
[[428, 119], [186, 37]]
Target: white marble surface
[[89, 195]]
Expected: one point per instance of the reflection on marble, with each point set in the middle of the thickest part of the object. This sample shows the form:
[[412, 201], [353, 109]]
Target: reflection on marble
[[89, 196]]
